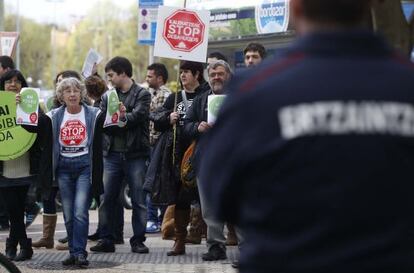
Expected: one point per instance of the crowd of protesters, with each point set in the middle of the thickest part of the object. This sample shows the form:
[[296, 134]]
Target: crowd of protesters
[[145, 150], [300, 216]]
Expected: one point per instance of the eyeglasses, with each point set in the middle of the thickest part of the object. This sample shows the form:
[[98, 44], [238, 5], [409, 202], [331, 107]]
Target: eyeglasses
[[70, 91], [15, 82]]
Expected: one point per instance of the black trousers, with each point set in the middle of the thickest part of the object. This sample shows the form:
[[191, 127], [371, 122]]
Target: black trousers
[[186, 196], [14, 200], [4, 216]]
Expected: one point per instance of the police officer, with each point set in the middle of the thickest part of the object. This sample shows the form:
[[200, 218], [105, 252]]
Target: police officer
[[312, 154]]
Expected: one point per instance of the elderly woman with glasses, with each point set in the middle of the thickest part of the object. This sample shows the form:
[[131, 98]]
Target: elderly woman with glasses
[[76, 161], [76, 147], [16, 176]]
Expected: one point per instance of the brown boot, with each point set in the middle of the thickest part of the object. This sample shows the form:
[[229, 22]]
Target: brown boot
[[231, 239], [167, 226], [49, 226], [181, 222], [196, 227]]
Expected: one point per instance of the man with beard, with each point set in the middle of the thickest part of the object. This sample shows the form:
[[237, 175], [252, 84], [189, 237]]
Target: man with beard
[[157, 76], [219, 73]]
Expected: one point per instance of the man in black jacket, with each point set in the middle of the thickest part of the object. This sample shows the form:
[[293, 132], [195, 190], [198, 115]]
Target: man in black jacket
[[125, 150], [312, 153], [196, 124]]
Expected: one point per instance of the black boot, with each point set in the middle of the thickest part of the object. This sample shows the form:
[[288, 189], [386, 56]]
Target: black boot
[[11, 248], [26, 251]]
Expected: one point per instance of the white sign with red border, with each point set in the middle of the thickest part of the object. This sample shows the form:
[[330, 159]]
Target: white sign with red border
[[182, 34], [8, 42]]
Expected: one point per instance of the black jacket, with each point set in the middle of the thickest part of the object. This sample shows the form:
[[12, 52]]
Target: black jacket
[[136, 130], [161, 180], [196, 113]]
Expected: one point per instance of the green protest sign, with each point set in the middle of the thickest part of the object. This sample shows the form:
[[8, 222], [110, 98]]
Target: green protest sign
[[214, 103], [113, 103], [26, 112], [112, 112], [14, 140], [30, 101], [49, 103]]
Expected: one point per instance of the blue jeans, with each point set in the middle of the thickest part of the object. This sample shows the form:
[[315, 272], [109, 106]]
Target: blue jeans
[[118, 221], [153, 211], [74, 176], [116, 168]]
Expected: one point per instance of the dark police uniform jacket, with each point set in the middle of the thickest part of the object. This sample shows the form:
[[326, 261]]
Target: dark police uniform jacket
[[313, 156]]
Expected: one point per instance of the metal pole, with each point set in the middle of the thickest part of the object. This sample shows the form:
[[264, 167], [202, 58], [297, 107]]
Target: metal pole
[[1, 15], [18, 31], [54, 30], [54, 33], [150, 54]]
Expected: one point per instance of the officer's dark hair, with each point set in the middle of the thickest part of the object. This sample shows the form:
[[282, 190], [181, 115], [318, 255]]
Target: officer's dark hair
[[256, 47], [159, 70], [67, 74], [9, 75], [343, 12], [6, 62], [193, 67], [218, 56], [119, 65]]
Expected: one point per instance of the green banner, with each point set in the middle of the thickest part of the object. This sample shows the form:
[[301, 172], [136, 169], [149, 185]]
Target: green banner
[[14, 140]]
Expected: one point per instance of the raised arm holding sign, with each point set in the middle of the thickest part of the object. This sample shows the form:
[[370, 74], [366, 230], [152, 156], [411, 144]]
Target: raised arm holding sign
[[27, 109], [14, 140]]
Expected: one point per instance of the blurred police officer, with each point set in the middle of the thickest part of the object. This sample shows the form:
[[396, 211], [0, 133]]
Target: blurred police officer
[[312, 154]]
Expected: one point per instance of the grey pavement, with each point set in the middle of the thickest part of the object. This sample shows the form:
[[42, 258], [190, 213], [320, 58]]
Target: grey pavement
[[123, 260]]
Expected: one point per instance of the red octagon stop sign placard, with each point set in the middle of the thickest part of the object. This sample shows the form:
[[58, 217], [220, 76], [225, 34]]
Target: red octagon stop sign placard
[[73, 133], [183, 30]]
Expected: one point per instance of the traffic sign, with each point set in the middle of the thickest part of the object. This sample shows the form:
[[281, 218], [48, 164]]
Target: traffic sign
[[147, 20], [8, 42], [182, 34]]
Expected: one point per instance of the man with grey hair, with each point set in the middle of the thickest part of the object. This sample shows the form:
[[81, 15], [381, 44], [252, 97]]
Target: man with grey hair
[[219, 73]]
